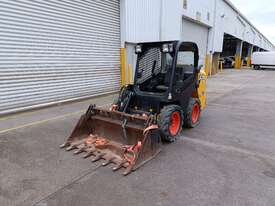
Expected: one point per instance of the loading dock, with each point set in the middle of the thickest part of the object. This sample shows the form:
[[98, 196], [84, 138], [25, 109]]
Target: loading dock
[[229, 45]]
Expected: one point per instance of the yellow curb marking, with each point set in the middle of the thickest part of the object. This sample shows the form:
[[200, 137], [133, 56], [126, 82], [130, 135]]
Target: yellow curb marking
[[41, 122], [46, 120]]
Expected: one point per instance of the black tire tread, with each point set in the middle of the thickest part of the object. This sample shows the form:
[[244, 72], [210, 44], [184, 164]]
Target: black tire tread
[[188, 116], [165, 119]]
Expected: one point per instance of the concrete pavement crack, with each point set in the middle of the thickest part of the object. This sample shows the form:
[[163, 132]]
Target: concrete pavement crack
[[91, 171]]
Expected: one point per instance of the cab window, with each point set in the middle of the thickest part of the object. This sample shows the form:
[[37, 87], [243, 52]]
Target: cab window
[[185, 58]]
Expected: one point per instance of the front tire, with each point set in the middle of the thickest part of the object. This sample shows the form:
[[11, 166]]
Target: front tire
[[170, 122]]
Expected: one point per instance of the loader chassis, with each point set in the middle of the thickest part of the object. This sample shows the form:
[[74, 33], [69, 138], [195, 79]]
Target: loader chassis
[[166, 95]]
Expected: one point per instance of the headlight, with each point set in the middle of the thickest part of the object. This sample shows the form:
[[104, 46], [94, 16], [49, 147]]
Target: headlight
[[138, 49], [167, 48]]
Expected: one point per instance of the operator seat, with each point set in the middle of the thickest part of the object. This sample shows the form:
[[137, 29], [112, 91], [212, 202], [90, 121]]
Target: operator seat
[[164, 88], [188, 70]]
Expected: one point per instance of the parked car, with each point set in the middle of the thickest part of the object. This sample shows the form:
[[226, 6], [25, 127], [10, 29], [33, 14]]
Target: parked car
[[262, 60], [228, 62]]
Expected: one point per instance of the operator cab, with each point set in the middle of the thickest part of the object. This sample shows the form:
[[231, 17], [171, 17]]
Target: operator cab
[[163, 65]]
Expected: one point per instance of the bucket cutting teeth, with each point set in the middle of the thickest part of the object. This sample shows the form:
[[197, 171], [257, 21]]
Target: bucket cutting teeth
[[89, 153], [72, 147], [66, 144], [80, 150], [108, 161], [125, 141], [120, 165], [91, 150], [98, 157]]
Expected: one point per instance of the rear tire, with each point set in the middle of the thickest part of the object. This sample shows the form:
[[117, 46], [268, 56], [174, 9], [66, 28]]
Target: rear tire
[[192, 117], [257, 67], [170, 122]]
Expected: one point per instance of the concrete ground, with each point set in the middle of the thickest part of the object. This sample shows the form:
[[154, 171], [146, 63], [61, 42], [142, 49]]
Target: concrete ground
[[229, 159]]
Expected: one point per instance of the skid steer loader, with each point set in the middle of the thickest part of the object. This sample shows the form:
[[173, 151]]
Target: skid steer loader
[[168, 93]]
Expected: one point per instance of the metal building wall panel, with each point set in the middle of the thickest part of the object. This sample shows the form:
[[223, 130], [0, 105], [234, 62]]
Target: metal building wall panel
[[151, 20], [197, 33], [143, 19], [204, 8], [57, 50], [171, 20]]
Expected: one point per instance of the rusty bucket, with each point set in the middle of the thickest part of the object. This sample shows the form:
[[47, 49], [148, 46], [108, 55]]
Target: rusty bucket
[[124, 140]]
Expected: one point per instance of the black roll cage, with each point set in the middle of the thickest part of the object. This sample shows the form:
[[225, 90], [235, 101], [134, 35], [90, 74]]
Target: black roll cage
[[177, 46]]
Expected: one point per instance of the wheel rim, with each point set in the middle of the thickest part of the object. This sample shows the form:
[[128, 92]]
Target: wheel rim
[[175, 123], [195, 113]]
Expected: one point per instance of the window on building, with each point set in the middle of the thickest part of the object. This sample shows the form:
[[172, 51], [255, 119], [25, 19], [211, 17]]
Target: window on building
[[185, 4]]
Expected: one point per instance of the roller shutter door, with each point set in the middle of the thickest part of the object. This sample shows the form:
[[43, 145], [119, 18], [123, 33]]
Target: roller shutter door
[[53, 51], [198, 34]]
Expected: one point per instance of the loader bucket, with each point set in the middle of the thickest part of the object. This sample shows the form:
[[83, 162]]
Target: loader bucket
[[126, 141]]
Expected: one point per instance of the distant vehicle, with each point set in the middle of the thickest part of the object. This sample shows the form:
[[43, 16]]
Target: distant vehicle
[[262, 60], [228, 62], [244, 61]]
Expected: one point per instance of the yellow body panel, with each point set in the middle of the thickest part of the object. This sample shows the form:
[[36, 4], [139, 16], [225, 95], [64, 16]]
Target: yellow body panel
[[201, 91], [123, 66], [130, 74]]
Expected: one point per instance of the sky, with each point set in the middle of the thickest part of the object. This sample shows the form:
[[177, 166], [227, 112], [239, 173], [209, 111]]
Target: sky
[[261, 13]]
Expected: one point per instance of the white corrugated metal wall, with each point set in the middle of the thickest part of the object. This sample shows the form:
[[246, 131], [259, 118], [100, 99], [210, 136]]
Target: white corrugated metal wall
[[142, 20], [57, 50]]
